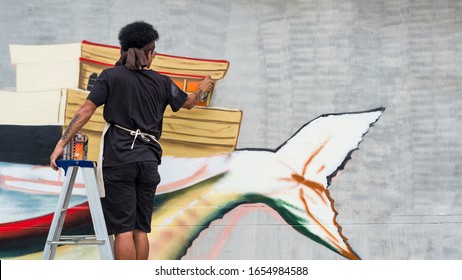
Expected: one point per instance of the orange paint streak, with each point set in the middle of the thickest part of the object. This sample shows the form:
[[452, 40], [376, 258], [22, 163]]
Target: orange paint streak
[[321, 169], [316, 187], [319, 189], [285, 179], [301, 195], [348, 254], [312, 157], [290, 180]]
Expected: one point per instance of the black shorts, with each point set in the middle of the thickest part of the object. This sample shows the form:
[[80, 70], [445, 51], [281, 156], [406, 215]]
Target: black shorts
[[129, 200]]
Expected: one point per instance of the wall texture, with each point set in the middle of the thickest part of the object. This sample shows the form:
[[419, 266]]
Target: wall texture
[[400, 195]]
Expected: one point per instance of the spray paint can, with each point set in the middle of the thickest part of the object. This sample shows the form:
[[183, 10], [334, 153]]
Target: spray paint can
[[67, 155], [77, 149]]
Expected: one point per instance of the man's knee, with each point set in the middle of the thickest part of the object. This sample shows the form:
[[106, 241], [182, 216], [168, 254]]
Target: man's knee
[[138, 232], [123, 235]]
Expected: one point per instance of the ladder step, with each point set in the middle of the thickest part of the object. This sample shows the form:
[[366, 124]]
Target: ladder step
[[77, 240], [66, 237]]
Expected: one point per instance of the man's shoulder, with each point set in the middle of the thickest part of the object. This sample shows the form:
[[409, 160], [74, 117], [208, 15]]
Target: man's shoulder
[[157, 76]]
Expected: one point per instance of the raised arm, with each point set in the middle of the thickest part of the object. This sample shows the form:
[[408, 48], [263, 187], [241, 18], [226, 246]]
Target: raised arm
[[204, 86], [78, 121]]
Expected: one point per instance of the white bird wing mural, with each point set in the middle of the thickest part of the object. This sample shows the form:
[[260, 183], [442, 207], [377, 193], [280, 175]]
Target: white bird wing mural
[[294, 178]]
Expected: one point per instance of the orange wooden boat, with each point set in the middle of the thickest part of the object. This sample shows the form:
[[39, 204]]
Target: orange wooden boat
[[203, 131], [186, 72]]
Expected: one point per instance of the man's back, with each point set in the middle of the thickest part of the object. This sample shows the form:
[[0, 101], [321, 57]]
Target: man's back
[[136, 100]]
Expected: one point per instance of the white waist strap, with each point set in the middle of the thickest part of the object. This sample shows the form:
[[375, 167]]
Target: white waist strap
[[145, 136]]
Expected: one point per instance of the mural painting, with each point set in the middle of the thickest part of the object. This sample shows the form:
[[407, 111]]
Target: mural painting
[[215, 178], [282, 64]]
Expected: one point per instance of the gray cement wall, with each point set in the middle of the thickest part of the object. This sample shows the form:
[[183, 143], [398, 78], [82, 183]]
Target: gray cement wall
[[400, 196]]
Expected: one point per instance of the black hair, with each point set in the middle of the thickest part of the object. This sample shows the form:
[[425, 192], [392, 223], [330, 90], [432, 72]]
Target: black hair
[[137, 35]]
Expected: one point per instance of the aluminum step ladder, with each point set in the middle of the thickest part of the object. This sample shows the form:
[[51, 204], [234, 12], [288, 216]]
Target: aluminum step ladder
[[101, 237]]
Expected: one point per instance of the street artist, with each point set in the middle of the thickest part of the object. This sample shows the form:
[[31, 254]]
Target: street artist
[[135, 99]]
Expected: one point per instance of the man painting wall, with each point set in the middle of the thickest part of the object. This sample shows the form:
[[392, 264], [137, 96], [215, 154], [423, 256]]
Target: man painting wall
[[135, 99]]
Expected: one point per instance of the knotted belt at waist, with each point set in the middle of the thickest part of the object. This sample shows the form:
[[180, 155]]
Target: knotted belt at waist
[[145, 136]]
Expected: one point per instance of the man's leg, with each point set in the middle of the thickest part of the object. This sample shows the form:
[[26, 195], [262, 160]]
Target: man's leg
[[124, 246], [145, 191], [141, 244], [119, 208]]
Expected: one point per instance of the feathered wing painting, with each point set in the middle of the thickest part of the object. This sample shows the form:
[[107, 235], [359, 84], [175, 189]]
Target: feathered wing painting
[[293, 180], [213, 181]]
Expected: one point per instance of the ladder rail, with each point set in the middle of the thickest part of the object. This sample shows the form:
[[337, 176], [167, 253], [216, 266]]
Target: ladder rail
[[101, 238], [96, 211], [60, 214]]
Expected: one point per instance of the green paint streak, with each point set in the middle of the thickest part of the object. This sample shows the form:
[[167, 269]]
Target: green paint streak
[[224, 206], [295, 221]]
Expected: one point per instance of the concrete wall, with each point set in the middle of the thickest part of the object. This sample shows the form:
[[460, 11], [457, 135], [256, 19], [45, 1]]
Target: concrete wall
[[291, 61]]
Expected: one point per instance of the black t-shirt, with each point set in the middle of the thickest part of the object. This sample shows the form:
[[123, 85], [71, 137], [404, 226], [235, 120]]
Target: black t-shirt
[[134, 100]]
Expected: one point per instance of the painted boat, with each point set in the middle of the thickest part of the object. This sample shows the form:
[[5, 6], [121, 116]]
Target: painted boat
[[186, 72], [30, 125], [200, 132], [29, 138]]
